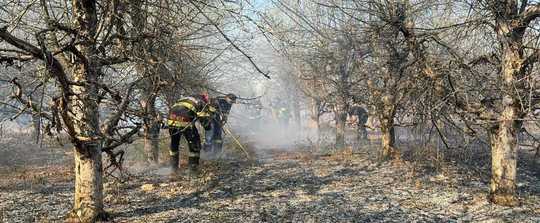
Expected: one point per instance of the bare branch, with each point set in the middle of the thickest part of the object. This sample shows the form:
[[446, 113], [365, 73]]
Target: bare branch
[[226, 37], [529, 14]]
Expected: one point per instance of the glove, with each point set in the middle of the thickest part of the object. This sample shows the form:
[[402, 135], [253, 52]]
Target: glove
[[223, 120], [206, 124]]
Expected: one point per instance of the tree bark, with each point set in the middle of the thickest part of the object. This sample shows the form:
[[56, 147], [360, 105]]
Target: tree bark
[[88, 171], [36, 125], [504, 146], [387, 129], [319, 133], [341, 119], [503, 166], [315, 117], [151, 117], [88, 184], [88, 205], [149, 86], [388, 139], [151, 140], [296, 112]]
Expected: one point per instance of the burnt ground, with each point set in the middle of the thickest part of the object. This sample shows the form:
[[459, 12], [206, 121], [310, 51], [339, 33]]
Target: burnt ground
[[282, 186]]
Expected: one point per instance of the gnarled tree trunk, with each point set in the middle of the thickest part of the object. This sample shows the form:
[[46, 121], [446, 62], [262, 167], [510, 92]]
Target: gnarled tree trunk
[[503, 165], [88, 169], [88, 205], [151, 118], [316, 118], [386, 118], [36, 125], [296, 112], [341, 119], [151, 137], [149, 70], [504, 142]]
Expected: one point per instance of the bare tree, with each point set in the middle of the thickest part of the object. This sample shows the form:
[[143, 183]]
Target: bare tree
[[71, 42], [495, 89]]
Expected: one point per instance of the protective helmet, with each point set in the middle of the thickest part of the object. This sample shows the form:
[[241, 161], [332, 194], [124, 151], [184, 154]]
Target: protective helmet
[[232, 97], [204, 98]]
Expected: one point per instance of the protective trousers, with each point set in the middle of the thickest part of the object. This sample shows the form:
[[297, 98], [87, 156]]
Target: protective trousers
[[214, 138], [362, 132], [194, 143]]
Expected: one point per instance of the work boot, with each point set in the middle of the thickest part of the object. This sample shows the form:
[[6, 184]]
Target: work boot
[[218, 149], [193, 162], [207, 147], [209, 151], [193, 166], [173, 161]]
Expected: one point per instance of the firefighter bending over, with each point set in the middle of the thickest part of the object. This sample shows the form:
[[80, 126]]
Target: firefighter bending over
[[181, 122], [360, 117], [214, 137]]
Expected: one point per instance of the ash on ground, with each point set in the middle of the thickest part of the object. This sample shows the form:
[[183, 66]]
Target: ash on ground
[[281, 186]]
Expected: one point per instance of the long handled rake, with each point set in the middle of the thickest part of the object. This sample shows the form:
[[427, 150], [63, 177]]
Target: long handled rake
[[228, 132]]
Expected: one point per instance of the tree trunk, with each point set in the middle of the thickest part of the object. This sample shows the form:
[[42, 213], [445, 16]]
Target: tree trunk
[[36, 125], [315, 117], [341, 118], [388, 139], [319, 134], [150, 84], [88, 205], [387, 129], [84, 109], [151, 140], [504, 147], [88, 184], [150, 119], [503, 166], [296, 112]]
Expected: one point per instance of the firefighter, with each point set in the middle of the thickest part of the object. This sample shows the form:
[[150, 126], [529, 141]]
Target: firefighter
[[214, 137], [284, 117], [360, 116], [181, 122]]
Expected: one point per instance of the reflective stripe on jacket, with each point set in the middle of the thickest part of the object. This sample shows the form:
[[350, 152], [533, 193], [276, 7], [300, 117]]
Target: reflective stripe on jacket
[[175, 123], [186, 110], [187, 105]]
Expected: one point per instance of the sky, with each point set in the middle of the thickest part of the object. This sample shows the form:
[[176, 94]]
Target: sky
[[259, 4]]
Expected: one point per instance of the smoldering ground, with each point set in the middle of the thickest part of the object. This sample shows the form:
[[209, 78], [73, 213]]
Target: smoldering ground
[[342, 187], [290, 180]]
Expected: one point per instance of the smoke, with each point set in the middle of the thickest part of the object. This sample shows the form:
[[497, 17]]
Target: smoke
[[142, 167], [276, 116], [272, 122]]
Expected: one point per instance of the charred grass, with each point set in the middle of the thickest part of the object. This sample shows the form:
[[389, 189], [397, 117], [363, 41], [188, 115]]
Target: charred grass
[[429, 184]]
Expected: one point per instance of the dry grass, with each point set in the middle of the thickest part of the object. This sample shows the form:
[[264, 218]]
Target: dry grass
[[285, 185]]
